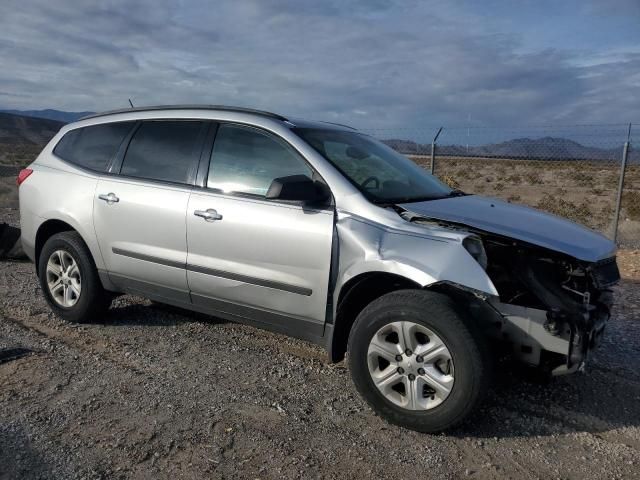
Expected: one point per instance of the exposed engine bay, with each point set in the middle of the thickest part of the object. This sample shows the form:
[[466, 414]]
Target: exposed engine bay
[[552, 308]]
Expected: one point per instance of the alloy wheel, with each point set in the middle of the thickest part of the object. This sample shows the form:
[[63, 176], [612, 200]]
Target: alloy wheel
[[63, 278], [410, 365]]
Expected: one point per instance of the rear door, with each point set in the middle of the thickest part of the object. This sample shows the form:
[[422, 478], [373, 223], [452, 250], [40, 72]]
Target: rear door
[[139, 213], [263, 260]]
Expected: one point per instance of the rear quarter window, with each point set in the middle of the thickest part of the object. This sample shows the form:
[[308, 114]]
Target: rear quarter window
[[93, 147]]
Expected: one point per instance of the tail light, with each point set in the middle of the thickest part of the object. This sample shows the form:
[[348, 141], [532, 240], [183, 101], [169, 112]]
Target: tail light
[[22, 176]]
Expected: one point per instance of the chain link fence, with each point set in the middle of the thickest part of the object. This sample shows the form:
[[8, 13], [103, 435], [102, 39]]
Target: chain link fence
[[571, 171], [589, 173]]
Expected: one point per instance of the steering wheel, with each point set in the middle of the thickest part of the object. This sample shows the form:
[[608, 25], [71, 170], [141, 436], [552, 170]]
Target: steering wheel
[[369, 180]]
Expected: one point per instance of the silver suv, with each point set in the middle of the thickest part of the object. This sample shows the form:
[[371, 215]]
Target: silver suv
[[320, 232]]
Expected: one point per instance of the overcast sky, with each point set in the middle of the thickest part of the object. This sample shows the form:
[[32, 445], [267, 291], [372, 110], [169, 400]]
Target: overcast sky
[[372, 63]]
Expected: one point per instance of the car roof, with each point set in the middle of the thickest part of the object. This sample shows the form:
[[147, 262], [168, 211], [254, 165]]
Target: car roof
[[155, 108], [221, 108]]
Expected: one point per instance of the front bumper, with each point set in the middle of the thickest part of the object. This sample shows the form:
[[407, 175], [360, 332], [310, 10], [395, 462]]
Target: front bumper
[[583, 341], [537, 340]]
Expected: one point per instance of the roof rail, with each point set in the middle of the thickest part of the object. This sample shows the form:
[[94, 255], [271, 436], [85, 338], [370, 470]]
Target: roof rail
[[155, 108], [340, 125]]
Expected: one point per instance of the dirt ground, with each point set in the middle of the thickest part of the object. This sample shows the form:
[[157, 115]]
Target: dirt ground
[[153, 392]]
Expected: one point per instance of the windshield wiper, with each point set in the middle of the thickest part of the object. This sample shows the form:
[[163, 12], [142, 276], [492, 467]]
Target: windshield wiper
[[392, 201], [395, 201]]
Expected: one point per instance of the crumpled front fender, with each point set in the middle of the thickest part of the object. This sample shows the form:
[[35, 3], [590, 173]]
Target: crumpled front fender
[[421, 254]]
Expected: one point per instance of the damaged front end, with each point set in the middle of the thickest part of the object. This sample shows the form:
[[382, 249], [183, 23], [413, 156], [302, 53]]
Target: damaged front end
[[553, 308]]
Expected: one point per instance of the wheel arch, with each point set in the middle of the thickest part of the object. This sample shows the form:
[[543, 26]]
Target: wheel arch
[[356, 294], [52, 226], [366, 287], [45, 231]]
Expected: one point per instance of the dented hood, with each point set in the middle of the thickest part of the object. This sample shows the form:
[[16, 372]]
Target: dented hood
[[518, 222]]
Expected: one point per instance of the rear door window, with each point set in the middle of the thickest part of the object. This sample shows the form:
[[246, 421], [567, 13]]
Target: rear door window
[[93, 147], [165, 150]]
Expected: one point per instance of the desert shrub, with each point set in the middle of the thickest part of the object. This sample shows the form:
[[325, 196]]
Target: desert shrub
[[583, 179], [609, 179], [19, 155], [515, 178], [465, 173], [451, 163], [426, 164], [499, 187], [631, 203], [597, 191], [450, 181], [533, 178], [633, 174], [606, 212], [564, 208], [514, 198]]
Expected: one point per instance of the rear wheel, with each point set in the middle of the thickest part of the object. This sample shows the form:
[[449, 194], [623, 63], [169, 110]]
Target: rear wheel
[[418, 361], [69, 279]]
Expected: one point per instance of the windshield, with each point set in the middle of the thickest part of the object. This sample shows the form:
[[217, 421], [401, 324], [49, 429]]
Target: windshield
[[379, 172]]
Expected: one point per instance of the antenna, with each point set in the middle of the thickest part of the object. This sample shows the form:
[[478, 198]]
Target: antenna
[[131, 103]]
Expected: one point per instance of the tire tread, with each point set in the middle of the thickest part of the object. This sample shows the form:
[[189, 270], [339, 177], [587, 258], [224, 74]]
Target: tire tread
[[94, 300], [467, 333]]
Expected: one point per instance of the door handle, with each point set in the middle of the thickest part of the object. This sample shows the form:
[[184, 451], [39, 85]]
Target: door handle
[[209, 214], [110, 198]]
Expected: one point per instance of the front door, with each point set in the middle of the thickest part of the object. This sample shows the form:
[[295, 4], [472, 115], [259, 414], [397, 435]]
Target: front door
[[254, 258]]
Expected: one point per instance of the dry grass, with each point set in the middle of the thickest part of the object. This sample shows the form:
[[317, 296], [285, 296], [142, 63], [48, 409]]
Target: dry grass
[[564, 208], [631, 204], [583, 191], [18, 155]]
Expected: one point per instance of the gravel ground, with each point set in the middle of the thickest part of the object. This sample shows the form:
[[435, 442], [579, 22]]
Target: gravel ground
[[155, 392]]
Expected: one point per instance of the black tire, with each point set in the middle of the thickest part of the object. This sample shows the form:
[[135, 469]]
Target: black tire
[[93, 300], [462, 337]]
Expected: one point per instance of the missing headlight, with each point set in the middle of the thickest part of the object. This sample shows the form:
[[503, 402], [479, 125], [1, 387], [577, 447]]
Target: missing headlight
[[474, 246]]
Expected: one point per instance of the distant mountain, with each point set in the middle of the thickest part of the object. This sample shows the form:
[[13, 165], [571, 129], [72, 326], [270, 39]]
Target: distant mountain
[[542, 148], [24, 130], [551, 148], [59, 115]]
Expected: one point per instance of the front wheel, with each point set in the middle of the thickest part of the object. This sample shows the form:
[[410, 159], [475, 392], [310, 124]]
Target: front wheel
[[418, 361]]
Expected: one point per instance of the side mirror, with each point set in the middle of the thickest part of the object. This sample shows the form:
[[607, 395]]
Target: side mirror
[[298, 187]]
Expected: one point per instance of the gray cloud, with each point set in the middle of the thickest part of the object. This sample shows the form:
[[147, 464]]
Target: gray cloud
[[374, 64]]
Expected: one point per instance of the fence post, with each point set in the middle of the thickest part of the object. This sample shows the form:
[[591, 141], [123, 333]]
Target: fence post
[[433, 150], [623, 168]]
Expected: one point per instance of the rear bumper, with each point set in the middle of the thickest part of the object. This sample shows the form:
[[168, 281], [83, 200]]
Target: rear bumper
[[29, 248], [29, 224]]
